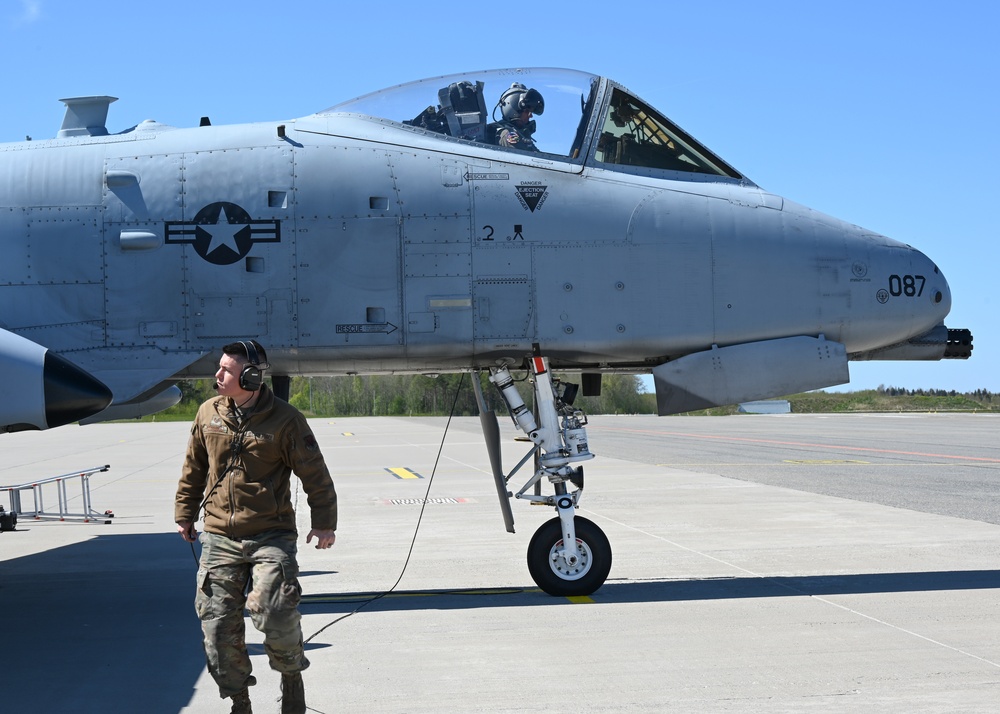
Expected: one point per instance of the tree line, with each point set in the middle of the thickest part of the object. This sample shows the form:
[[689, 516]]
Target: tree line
[[418, 395], [984, 396]]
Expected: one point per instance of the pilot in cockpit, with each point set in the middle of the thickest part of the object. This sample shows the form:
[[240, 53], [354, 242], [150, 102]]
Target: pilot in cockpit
[[517, 105]]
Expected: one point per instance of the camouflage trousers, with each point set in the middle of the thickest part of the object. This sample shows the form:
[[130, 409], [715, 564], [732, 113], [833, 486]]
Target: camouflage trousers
[[259, 573]]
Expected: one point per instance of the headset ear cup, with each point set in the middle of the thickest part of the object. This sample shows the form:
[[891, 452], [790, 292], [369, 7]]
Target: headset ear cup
[[250, 378]]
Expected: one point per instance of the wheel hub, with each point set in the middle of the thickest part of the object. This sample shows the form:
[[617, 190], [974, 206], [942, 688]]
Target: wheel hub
[[563, 566]]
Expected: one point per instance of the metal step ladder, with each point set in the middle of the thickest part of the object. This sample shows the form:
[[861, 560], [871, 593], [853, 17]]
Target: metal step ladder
[[38, 488]]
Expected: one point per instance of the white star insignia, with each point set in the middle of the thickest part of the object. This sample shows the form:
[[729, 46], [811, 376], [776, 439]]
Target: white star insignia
[[223, 233]]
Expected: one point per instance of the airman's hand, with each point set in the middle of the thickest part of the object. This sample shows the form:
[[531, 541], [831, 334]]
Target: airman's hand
[[324, 538], [187, 531]]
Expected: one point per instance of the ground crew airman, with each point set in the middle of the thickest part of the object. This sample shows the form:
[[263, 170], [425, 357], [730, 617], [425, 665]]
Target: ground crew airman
[[244, 445]]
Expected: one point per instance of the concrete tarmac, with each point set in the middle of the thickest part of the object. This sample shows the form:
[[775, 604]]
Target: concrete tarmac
[[761, 564]]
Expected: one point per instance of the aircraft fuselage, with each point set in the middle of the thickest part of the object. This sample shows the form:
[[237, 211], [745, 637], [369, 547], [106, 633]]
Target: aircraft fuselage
[[347, 243]]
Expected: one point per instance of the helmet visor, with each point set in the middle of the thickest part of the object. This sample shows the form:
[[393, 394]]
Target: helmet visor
[[532, 100]]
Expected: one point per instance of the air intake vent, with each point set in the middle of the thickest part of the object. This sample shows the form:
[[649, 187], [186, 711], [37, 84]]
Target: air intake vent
[[85, 116]]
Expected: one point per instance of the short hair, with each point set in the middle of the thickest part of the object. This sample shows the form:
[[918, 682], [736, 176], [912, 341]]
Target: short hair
[[249, 350]]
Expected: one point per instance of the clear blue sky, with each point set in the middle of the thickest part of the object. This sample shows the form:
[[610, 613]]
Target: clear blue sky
[[884, 114]]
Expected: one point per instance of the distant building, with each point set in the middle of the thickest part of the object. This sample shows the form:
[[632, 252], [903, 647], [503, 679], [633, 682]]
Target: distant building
[[769, 406]]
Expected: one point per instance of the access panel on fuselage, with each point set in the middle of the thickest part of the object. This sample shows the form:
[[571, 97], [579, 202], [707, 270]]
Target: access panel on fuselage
[[237, 236], [550, 261], [348, 283], [51, 282], [435, 204], [145, 283]]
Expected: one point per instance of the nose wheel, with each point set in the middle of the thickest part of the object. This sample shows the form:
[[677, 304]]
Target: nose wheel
[[568, 574]]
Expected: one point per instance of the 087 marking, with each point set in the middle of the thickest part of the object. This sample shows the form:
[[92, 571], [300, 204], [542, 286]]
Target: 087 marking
[[906, 285]]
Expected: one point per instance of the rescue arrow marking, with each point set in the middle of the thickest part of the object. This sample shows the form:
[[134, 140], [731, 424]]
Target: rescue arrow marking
[[366, 328]]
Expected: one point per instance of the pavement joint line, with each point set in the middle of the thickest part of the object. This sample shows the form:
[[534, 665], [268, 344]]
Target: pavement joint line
[[801, 592], [900, 629]]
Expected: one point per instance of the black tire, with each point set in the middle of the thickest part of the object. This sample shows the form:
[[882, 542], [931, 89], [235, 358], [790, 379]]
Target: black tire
[[556, 578]]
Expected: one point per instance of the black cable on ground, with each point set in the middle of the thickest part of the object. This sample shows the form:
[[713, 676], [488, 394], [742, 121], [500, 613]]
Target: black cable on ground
[[416, 530]]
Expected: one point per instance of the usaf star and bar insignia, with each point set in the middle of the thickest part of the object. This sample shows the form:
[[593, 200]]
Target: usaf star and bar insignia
[[222, 233]]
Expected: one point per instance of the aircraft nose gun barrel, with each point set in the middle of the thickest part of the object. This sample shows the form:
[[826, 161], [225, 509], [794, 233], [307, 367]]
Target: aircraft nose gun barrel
[[959, 344]]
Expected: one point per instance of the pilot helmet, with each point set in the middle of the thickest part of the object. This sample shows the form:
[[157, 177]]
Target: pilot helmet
[[518, 98]]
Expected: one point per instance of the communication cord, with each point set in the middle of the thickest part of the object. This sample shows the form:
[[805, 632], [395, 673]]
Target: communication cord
[[416, 530], [236, 447]]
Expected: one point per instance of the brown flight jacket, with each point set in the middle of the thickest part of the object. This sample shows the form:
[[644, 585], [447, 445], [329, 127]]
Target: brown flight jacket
[[248, 487]]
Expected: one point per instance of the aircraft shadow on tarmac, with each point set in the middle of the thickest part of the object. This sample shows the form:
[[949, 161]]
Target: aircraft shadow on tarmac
[[636, 591], [107, 624]]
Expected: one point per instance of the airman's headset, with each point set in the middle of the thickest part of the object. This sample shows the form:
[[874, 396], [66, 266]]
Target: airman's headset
[[252, 374]]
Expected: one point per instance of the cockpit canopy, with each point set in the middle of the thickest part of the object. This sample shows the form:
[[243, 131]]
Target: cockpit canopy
[[588, 119]]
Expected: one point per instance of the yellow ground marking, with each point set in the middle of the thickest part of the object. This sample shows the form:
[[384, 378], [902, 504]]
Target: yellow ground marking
[[400, 472]]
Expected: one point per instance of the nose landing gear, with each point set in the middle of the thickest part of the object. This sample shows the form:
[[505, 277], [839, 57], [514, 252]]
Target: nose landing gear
[[568, 555]]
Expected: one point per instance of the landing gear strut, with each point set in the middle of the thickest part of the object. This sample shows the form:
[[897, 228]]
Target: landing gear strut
[[568, 555]]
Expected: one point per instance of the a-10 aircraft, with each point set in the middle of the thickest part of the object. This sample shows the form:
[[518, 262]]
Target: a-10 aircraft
[[408, 231]]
